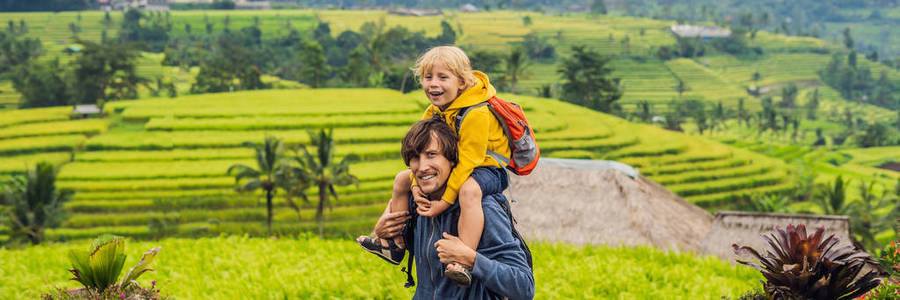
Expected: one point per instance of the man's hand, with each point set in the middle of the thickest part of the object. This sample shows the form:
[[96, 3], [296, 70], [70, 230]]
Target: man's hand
[[451, 249], [390, 225]]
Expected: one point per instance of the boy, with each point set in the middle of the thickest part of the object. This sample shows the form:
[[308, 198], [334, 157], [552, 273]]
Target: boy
[[450, 84]]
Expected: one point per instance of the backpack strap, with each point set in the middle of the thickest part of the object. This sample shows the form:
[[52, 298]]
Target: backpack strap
[[516, 234], [503, 160], [408, 236]]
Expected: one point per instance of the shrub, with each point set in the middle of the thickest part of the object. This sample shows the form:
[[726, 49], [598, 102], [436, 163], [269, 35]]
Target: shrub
[[808, 267], [98, 269]]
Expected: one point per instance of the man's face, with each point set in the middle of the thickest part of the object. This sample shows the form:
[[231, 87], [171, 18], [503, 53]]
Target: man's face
[[431, 168]]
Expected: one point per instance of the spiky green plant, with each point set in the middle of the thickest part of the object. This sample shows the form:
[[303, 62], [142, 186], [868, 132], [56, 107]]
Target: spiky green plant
[[801, 266], [99, 267]]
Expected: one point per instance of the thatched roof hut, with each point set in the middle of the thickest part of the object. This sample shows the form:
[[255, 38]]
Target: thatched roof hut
[[594, 202], [609, 203]]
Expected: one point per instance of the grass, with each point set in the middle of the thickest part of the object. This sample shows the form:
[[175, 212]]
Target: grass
[[307, 267]]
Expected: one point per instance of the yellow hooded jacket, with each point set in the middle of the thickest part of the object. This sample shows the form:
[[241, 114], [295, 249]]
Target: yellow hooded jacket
[[479, 131]]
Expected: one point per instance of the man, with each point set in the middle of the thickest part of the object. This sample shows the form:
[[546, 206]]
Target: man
[[500, 265]]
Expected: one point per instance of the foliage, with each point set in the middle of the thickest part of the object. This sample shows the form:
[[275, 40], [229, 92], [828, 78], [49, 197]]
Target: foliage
[[874, 213], [562, 271], [587, 82], [153, 34], [99, 267], [16, 51], [801, 266], [42, 84], [890, 288], [516, 67], [105, 72], [33, 203], [322, 171], [269, 161]]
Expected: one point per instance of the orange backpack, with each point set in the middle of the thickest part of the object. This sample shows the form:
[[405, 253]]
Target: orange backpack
[[522, 146]]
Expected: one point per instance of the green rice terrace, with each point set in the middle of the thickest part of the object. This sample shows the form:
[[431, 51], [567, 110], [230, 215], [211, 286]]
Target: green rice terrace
[[771, 129], [166, 158]]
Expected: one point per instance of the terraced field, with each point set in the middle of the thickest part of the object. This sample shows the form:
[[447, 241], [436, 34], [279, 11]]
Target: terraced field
[[165, 159], [651, 80]]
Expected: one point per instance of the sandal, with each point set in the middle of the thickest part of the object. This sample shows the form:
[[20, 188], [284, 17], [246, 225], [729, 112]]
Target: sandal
[[391, 253], [462, 277]]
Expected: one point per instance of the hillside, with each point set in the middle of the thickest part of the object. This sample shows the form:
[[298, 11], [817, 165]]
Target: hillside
[[165, 159]]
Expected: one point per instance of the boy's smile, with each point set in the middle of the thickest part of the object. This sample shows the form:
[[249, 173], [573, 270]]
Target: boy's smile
[[441, 86]]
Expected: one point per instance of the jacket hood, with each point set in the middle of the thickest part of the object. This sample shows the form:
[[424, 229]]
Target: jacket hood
[[480, 92]]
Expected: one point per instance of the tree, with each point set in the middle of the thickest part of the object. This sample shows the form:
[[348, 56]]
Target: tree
[[17, 52], [105, 72], [832, 197], [598, 7], [41, 84], [673, 116], [681, 87], [516, 67], [587, 80], [820, 140], [697, 110], [788, 96], [269, 162], [741, 112], [315, 68], [644, 111], [848, 38], [812, 105], [875, 136], [323, 172], [32, 203], [448, 36], [866, 220], [526, 21]]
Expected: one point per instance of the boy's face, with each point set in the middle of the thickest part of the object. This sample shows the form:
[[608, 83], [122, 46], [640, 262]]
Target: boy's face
[[431, 168], [441, 85]]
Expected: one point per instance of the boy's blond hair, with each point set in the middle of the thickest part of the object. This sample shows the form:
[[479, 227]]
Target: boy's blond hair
[[452, 57]]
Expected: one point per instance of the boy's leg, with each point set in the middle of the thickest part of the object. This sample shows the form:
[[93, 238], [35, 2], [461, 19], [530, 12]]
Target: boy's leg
[[469, 227], [400, 199], [471, 215]]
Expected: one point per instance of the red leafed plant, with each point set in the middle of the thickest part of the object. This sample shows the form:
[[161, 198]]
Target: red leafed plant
[[801, 266]]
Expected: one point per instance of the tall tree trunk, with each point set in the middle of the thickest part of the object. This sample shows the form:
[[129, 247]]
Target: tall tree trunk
[[269, 211], [320, 210]]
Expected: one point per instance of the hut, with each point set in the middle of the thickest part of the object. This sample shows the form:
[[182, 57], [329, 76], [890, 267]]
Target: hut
[[468, 8], [609, 203], [706, 33], [84, 111]]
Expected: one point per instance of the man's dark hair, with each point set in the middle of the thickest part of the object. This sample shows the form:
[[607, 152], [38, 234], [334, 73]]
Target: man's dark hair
[[420, 135]]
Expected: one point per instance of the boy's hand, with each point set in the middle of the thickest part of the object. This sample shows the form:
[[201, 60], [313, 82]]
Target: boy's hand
[[435, 208], [422, 202]]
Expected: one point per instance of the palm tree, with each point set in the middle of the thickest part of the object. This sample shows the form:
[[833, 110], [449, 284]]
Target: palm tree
[[269, 159], [516, 66], [32, 203], [866, 220], [833, 198], [321, 170]]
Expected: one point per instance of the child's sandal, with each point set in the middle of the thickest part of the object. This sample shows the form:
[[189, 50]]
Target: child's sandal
[[391, 253], [462, 277]]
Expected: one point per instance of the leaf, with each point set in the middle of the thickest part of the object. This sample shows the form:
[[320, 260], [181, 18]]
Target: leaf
[[140, 268]]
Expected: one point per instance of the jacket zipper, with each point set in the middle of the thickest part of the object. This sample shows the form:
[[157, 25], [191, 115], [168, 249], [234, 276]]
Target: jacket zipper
[[430, 268]]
